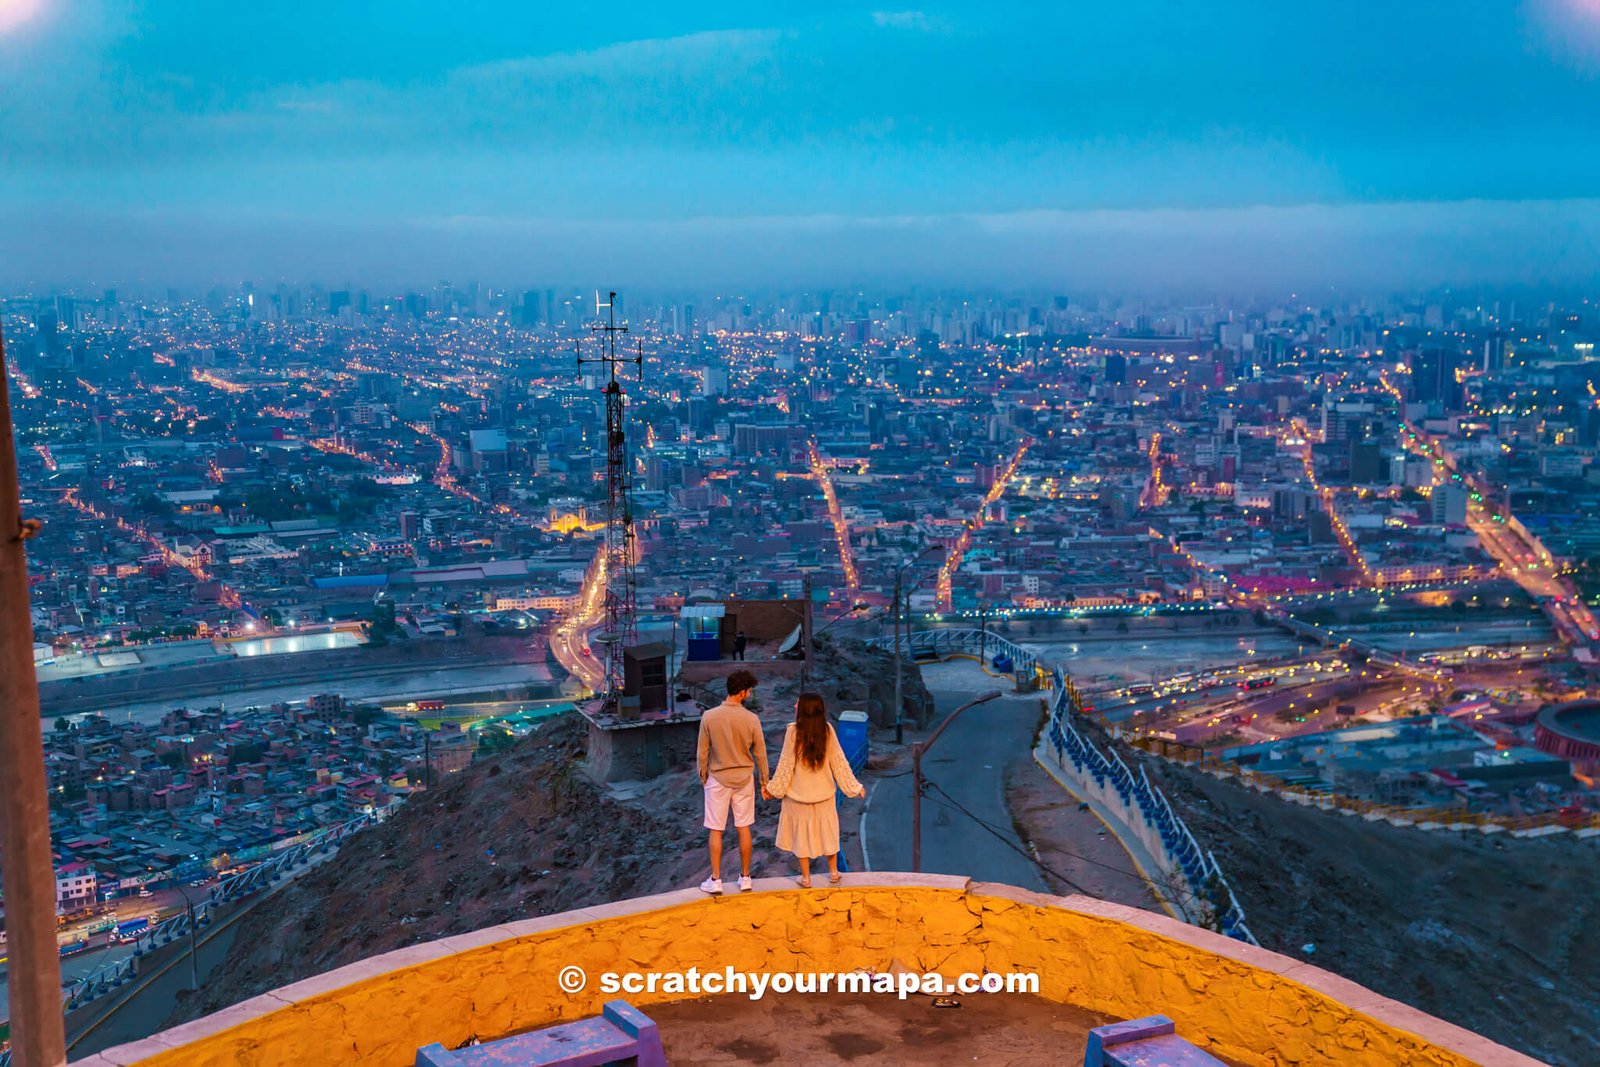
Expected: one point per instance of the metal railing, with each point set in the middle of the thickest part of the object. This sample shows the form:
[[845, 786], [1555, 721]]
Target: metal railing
[[1203, 881], [228, 891], [966, 641]]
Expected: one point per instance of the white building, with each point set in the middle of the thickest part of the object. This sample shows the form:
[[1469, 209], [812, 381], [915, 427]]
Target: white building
[[75, 887]]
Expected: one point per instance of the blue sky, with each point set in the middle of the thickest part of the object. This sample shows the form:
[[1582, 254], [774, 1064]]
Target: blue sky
[[1144, 142]]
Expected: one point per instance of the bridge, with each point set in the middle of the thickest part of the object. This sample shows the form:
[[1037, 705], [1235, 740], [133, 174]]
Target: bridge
[[1322, 635], [988, 648]]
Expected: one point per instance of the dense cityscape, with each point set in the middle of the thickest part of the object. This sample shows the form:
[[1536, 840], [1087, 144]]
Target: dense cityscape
[[720, 533], [247, 478]]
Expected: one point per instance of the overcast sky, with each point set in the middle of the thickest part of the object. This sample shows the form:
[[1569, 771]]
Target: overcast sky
[[1136, 143]]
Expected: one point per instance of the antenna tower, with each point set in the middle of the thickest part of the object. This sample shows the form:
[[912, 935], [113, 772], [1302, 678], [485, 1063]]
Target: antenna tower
[[620, 629]]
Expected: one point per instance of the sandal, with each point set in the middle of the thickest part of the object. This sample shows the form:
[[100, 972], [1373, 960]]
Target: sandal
[[805, 883], [833, 879]]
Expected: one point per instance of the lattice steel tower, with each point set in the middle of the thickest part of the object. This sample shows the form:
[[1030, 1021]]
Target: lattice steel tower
[[620, 630]]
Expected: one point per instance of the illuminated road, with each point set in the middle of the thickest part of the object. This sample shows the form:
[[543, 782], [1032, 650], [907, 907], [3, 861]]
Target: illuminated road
[[1156, 492], [194, 566], [1520, 554], [1298, 696], [444, 479], [332, 447], [841, 529], [1298, 442], [570, 641], [958, 549]]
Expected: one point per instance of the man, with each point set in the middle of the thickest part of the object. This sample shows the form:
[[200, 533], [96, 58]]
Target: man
[[739, 645], [731, 750]]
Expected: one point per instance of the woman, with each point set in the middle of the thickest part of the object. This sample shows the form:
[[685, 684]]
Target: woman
[[811, 768]]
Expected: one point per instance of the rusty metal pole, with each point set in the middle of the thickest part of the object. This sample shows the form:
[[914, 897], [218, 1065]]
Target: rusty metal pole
[[37, 1029], [916, 807]]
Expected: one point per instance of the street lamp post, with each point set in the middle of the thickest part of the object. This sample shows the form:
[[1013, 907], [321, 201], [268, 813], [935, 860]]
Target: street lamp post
[[194, 964], [900, 593], [899, 671], [805, 664]]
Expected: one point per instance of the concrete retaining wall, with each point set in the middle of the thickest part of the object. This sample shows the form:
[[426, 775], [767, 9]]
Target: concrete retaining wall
[[1248, 1005]]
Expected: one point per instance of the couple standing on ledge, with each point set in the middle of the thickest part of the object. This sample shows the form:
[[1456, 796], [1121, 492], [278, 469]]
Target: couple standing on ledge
[[812, 766]]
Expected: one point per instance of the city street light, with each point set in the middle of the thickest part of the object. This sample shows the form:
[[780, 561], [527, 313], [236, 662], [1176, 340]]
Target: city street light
[[194, 964], [900, 594], [805, 664]]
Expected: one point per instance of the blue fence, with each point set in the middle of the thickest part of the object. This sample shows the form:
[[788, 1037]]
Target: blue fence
[[1204, 879]]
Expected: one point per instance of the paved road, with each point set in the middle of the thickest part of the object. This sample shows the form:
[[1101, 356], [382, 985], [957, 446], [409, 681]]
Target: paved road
[[101, 951], [399, 684], [968, 763]]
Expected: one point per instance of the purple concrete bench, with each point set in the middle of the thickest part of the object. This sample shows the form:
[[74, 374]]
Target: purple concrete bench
[[621, 1035], [1149, 1042]]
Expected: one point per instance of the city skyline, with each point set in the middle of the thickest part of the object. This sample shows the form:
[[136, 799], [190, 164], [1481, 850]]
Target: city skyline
[[434, 434], [826, 143], [306, 553]]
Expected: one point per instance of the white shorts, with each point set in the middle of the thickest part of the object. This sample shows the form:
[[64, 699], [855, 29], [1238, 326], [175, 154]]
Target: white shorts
[[719, 798]]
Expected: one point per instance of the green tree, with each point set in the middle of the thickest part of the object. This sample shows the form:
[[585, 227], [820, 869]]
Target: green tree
[[495, 739]]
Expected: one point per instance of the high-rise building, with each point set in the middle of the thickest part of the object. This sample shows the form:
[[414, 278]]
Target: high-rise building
[[1494, 353], [1366, 462], [1434, 377], [533, 311], [714, 381], [1449, 504], [1346, 420]]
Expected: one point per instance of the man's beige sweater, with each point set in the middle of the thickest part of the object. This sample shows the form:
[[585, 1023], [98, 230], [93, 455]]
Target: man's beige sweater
[[728, 734]]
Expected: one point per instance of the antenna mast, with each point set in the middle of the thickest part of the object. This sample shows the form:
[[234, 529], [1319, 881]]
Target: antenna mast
[[620, 629]]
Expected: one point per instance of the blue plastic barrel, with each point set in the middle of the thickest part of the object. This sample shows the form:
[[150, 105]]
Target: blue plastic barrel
[[852, 731]]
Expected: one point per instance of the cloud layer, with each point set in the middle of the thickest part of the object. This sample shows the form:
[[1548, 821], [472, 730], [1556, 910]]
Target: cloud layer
[[1256, 249], [1007, 137]]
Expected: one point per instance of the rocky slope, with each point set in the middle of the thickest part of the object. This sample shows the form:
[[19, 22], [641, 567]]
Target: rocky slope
[[1494, 933], [519, 834]]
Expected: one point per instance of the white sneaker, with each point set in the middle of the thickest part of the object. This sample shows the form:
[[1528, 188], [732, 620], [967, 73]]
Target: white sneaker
[[711, 885], [745, 884]]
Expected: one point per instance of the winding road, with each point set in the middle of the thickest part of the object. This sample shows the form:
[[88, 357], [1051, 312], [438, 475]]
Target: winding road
[[969, 763]]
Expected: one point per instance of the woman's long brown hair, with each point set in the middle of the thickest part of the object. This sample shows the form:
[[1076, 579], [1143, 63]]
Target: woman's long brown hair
[[811, 730]]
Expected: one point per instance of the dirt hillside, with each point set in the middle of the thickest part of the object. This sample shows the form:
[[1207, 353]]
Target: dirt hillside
[[519, 834], [1497, 934]]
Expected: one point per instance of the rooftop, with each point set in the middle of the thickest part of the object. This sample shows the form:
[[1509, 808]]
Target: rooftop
[[1579, 720]]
